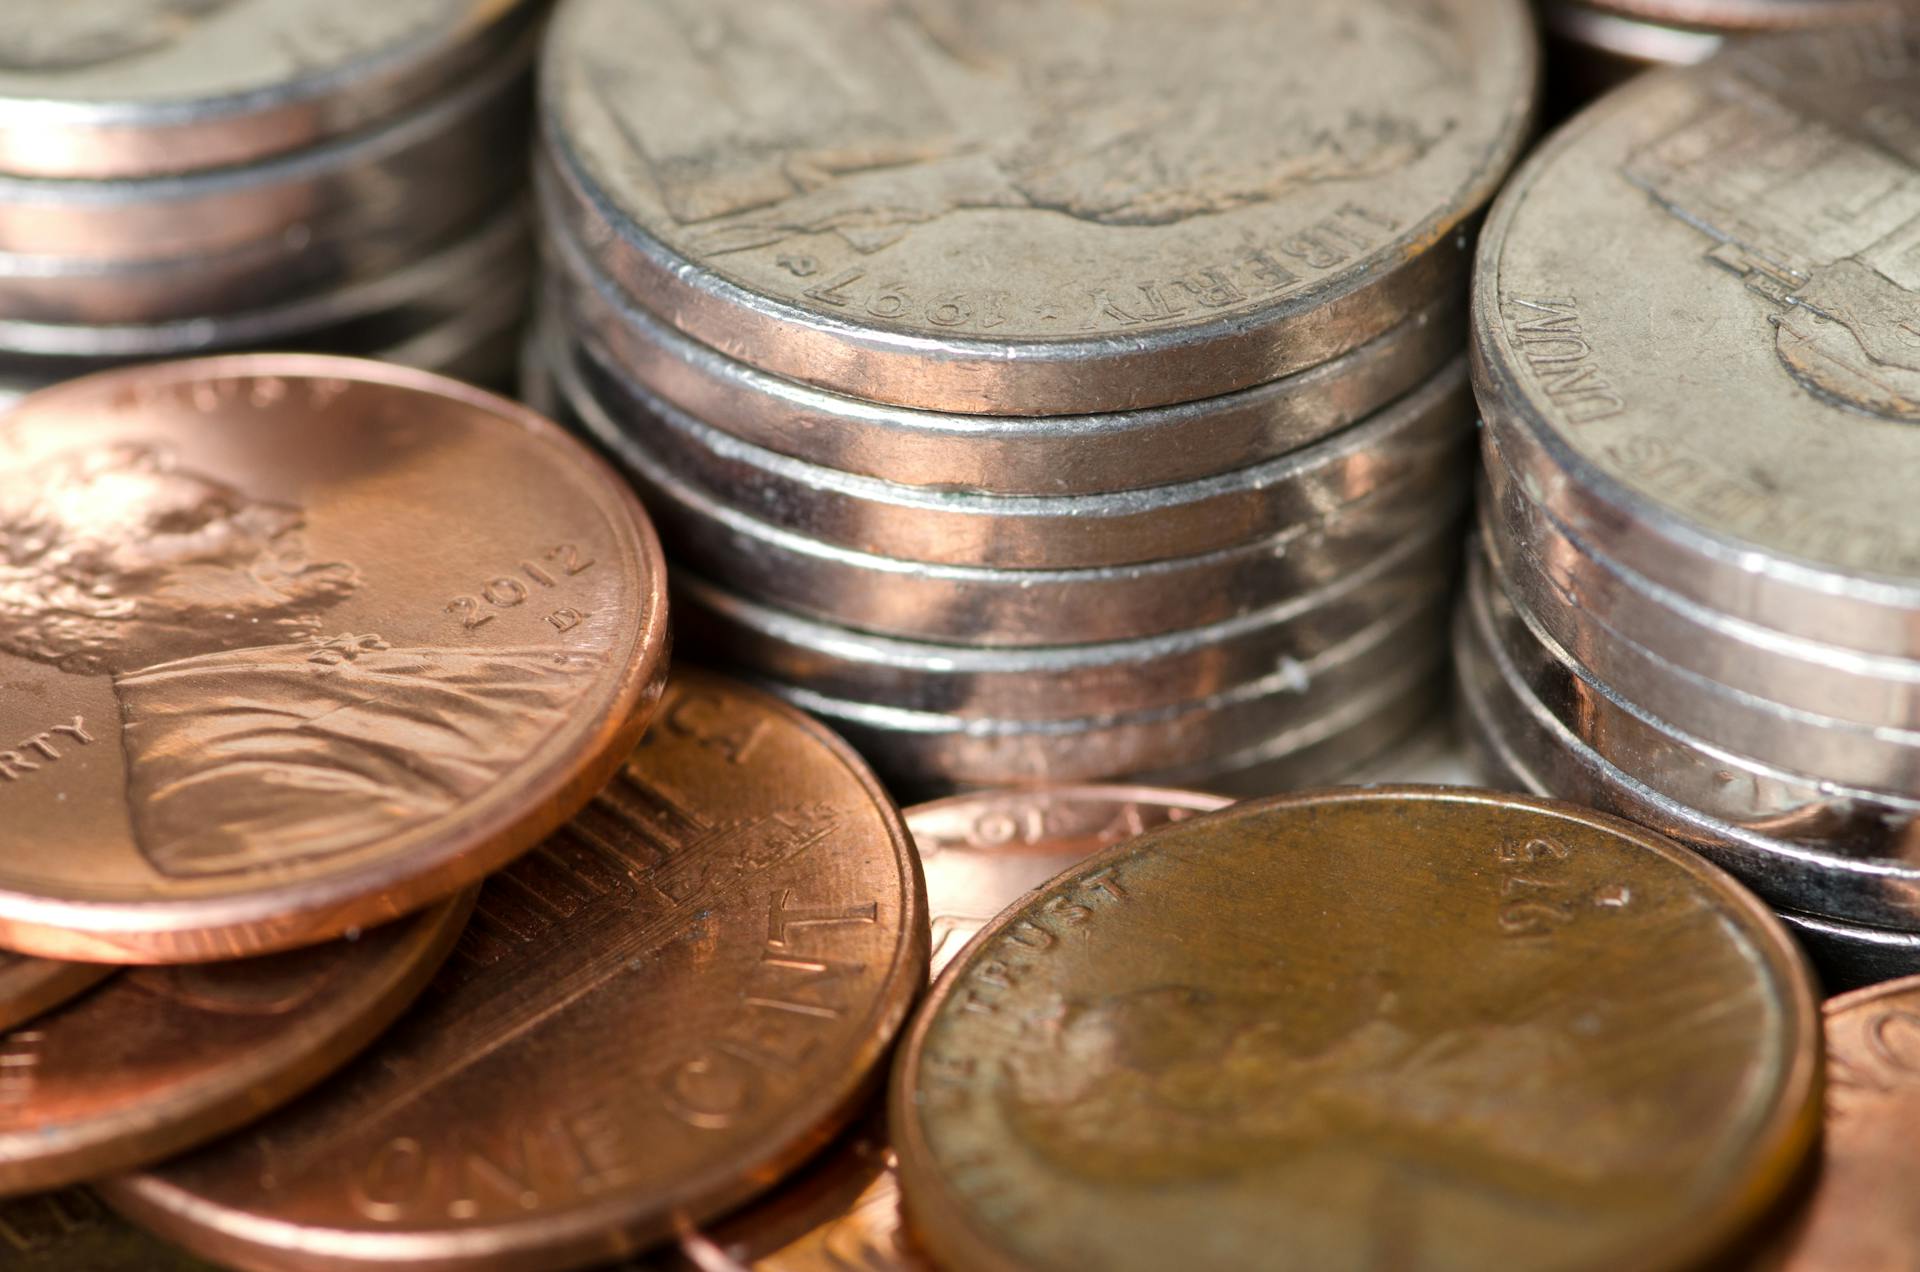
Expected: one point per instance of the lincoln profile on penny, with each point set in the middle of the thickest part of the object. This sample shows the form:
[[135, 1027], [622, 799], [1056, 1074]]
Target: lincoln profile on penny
[[255, 735]]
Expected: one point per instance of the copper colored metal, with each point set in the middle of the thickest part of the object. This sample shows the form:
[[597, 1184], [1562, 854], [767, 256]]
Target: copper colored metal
[[165, 1058], [308, 643], [29, 986], [653, 1018]]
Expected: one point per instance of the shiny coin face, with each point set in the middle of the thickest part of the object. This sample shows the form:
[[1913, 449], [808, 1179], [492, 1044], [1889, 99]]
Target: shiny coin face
[[1744, 381], [29, 986], [163, 1058], [1016, 208], [1414, 1026], [653, 1016], [312, 643]]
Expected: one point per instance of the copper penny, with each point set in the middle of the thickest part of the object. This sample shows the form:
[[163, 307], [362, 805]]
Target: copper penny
[[982, 851], [163, 1058], [1394, 1027], [297, 645], [74, 1231], [1860, 1216], [653, 1017], [29, 986]]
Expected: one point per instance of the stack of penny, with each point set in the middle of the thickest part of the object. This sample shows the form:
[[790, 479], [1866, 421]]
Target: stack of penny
[[186, 176], [1699, 602], [1027, 413]]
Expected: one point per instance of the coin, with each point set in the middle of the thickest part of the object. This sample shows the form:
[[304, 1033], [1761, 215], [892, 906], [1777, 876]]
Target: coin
[[1747, 15], [1408, 1025], [1853, 955], [654, 1016], [927, 205], [1000, 454], [313, 642], [74, 1231], [29, 986], [155, 86], [163, 1058], [1729, 409]]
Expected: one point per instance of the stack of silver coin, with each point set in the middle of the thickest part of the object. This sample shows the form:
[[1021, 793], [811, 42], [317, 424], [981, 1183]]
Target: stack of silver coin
[[189, 176], [1697, 353], [1039, 389]]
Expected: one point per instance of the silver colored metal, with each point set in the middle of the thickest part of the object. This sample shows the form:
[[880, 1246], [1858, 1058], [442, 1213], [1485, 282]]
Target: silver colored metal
[[136, 88], [1520, 735], [999, 454], [1548, 558], [1850, 956], [930, 204], [919, 749], [1731, 408], [1737, 16], [429, 170], [960, 604], [1632, 41], [1062, 682], [1425, 433]]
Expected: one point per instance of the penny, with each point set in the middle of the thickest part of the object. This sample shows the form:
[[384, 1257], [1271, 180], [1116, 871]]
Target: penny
[[74, 1231], [29, 986], [313, 642], [925, 205], [998, 454], [1730, 409], [653, 1017], [140, 87], [1405, 1025], [163, 1058]]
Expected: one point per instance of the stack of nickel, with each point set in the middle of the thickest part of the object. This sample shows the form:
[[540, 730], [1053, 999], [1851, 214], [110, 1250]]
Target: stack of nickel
[[1038, 390], [185, 176], [1699, 604]]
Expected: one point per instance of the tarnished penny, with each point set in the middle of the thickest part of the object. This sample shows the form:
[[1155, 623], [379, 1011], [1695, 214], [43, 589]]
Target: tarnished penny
[[1031, 207], [981, 852], [1399, 1027], [163, 1058], [1860, 1216], [28, 986], [299, 644], [653, 1017], [74, 1231]]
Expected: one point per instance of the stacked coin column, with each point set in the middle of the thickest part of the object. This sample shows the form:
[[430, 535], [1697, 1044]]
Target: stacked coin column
[[1699, 603], [1117, 429], [194, 178]]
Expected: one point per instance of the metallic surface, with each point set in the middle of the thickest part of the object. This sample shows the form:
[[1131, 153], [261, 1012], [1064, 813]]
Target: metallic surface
[[1850, 955], [1060, 681], [1736, 16], [312, 642], [657, 1014], [155, 86], [428, 170], [1729, 407], [1410, 1025], [74, 1231], [1421, 434], [993, 607], [1505, 720], [162, 1059], [922, 204], [1001, 454], [1392, 656], [29, 986]]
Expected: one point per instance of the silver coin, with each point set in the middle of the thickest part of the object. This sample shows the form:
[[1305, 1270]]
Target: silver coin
[[429, 167], [1877, 758], [1633, 42], [922, 748], [1850, 955], [959, 604], [1728, 408], [1519, 735], [1060, 682], [1032, 207], [1546, 557], [1000, 454], [1712, 779], [135, 88], [1425, 433]]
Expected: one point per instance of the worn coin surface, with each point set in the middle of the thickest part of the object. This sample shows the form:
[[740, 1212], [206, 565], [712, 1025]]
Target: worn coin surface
[[1731, 406], [121, 88], [653, 1017], [74, 1231], [308, 642], [29, 986], [164, 1058], [1406, 1026], [1019, 208]]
